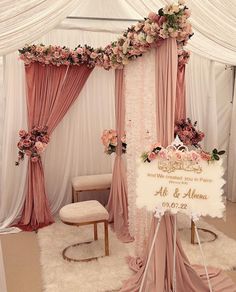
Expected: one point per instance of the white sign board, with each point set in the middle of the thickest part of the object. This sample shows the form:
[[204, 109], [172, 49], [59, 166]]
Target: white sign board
[[181, 190]]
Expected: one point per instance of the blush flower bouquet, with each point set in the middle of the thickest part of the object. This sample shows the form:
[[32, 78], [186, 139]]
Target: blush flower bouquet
[[32, 143], [187, 132], [110, 141]]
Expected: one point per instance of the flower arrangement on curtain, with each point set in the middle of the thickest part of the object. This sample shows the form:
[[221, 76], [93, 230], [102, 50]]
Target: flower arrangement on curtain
[[110, 141], [170, 22], [32, 143], [188, 133]]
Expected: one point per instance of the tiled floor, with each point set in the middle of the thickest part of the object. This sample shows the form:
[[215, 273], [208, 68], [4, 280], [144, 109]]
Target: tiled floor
[[21, 254]]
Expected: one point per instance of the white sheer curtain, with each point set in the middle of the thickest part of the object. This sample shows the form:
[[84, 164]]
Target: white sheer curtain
[[12, 178], [232, 152], [201, 98], [75, 147], [209, 101], [26, 20]]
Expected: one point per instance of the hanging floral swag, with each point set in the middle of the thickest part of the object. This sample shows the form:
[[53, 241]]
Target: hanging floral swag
[[110, 141], [32, 143], [171, 21]]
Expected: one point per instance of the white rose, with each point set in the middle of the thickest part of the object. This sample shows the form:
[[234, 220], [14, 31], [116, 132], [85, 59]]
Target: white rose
[[149, 39], [175, 8]]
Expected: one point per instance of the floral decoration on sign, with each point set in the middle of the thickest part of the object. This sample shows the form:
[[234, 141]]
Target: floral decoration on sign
[[179, 157], [110, 141], [169, 22], [32, 143], [188, 133]]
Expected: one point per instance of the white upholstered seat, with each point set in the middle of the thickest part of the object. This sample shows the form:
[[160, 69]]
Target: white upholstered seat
[[87, 211], [95, 182], [92, 182]]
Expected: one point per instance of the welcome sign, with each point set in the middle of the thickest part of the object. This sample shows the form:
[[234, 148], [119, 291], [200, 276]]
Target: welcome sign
[[178, 184]]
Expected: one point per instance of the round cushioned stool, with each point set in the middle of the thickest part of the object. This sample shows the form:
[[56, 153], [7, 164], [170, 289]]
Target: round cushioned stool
[[85, 213]]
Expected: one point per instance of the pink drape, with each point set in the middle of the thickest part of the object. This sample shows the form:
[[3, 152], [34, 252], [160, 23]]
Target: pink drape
[[118, 203], [160, 269], [51, 91], [180, 104]]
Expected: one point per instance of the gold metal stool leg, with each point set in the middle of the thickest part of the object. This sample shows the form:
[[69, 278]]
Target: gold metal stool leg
[[95, 231], [106, 238]]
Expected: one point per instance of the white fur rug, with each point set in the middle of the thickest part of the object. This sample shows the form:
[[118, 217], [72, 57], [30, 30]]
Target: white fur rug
[[108, 273]]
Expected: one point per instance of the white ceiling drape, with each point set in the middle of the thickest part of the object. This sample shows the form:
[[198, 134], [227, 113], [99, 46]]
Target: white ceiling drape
[[23, 21]]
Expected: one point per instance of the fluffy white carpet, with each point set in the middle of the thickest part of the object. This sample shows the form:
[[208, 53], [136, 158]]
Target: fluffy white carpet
[[105, 274], [220, 253], [108, 273]]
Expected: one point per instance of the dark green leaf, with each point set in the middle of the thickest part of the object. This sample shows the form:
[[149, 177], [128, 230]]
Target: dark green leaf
[[215, 151], [216, 157], [221, 152]]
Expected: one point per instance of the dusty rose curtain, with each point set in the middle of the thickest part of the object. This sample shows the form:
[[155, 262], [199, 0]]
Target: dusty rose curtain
[[180, 104], [118, 203], [51, 91], [160, 270]]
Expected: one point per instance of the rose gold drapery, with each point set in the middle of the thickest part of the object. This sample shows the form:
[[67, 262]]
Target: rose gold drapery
[[51, 90], [118, 203]]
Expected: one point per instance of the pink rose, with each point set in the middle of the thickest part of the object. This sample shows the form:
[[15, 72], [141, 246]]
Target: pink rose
[[22, 133], [153, 16], [57, 55], [195, 156], [162, 154], [28, 152], [20, 145], [93, 55], [205, 156], [34, 159], [178, 155], [115, 50], [151, 156], [26, 143], [187, 12]]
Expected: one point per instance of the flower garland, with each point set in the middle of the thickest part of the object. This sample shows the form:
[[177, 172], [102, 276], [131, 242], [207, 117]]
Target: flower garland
[[171, 21], [32, 143], [110, 141], [157, 151], [187, 132]]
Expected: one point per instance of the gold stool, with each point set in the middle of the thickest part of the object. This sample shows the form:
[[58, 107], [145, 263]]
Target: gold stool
[[85, 213]]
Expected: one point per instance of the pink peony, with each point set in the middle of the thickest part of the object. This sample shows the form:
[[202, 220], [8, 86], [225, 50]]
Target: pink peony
[[40, 146]]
